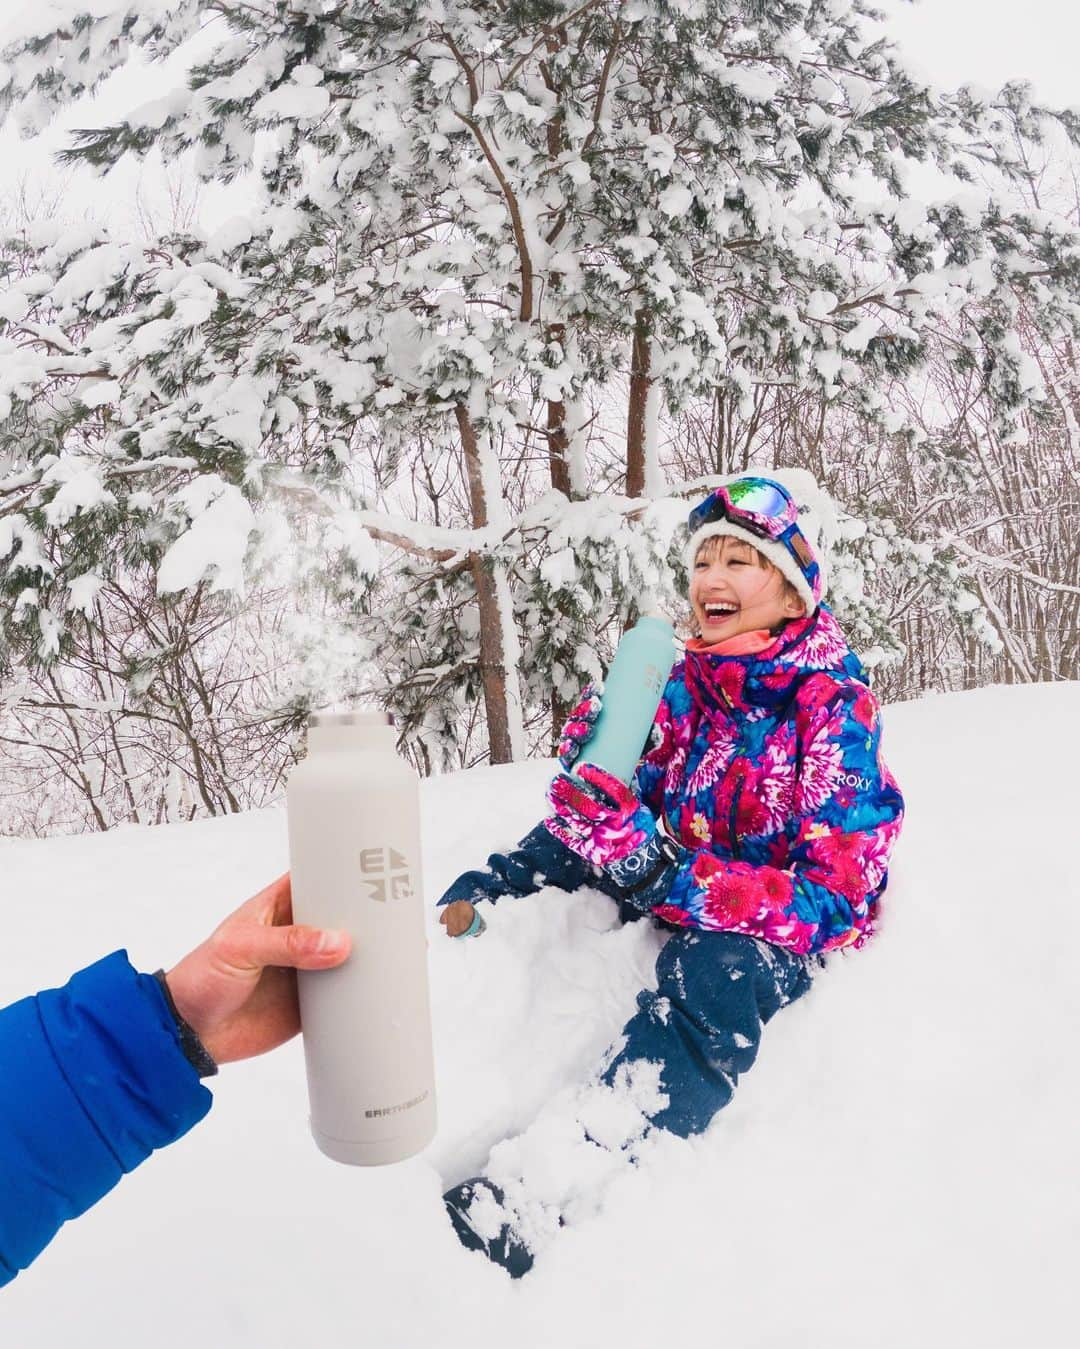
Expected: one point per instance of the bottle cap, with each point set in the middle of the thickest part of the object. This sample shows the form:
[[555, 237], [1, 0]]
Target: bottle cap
[[350, 716]]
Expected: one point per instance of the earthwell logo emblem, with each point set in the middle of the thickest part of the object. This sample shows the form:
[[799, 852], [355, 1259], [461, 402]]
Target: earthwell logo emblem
[[389, 873]]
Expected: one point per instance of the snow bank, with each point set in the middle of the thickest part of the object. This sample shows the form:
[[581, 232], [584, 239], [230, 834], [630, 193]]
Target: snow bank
[[899, 1168]]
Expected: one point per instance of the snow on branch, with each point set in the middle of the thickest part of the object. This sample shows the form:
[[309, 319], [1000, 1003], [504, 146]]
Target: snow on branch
[[1003, 564]]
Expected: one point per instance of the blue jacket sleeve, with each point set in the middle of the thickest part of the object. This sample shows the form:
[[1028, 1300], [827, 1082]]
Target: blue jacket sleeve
[[94, 1080]]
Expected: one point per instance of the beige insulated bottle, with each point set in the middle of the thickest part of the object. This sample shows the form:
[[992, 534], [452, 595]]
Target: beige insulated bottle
[[354, 847]]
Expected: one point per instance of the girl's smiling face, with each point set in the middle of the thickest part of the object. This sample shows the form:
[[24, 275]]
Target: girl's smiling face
[[735, 589]]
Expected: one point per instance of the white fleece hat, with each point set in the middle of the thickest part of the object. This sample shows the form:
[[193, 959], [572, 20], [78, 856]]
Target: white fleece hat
[[802, 561]]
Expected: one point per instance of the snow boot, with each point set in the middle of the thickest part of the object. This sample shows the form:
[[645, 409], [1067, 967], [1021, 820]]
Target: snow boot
[[479, 1215], [557, 1172]]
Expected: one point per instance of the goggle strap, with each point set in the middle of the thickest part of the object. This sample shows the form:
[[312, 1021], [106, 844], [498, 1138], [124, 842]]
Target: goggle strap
[[801, 548]]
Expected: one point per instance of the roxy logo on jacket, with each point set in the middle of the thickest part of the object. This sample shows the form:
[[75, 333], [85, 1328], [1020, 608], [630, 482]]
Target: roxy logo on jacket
[[386, 874]]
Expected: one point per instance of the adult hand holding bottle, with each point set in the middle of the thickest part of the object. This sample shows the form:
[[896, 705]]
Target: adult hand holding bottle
[[237, 990], [99, 1074]]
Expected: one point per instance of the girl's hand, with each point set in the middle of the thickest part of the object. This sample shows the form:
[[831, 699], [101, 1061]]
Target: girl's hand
[[580, 724], [458, 917], [597, 816]]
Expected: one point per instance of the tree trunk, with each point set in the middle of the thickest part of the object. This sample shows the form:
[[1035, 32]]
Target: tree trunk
[[501, 703], [637, 414], [492, 663], [559, 713], [558, 440], [558, 443]]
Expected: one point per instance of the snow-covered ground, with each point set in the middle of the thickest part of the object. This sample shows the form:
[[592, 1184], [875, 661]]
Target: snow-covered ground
[[900, 1168]]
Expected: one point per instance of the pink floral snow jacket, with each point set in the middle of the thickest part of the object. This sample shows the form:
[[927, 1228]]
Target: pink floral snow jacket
[[769, 770]]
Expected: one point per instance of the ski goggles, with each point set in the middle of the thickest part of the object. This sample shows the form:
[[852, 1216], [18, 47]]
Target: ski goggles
[[762, 508]]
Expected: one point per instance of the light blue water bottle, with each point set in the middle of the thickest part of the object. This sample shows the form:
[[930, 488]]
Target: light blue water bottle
[[632, 691]]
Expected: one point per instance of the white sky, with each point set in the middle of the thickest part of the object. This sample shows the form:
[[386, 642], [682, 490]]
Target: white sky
[[953, 41], [991, 41]]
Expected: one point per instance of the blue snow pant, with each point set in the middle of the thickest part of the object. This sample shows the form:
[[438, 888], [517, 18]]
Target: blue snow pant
[[715, 990]]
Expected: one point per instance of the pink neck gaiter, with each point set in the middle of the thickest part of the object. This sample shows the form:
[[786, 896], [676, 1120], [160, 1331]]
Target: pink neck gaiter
[[742, 644]]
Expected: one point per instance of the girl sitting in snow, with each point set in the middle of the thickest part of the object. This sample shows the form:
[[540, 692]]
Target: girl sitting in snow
[[758, 830]]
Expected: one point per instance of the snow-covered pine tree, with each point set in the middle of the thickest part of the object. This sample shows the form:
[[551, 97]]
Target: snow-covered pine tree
[[467, 221]]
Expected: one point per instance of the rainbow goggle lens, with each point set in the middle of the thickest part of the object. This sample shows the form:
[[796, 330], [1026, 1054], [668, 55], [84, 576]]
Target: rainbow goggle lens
[[763, 508]]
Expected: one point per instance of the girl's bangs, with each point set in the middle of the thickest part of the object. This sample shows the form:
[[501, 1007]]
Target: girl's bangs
[[715, 542]]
